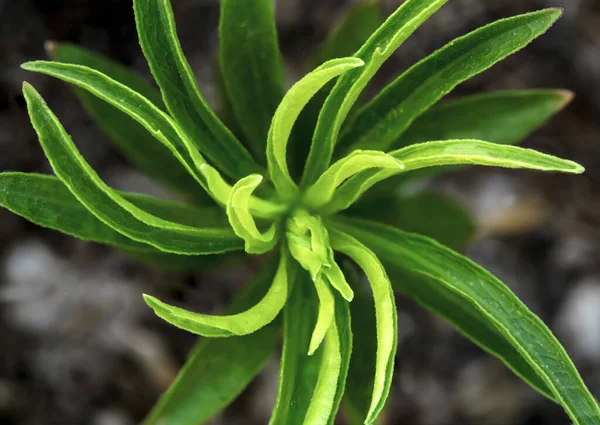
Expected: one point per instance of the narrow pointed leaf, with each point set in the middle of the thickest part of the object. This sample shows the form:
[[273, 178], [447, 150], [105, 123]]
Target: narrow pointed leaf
[[429, 213], [451, 152], [378, 48], [172, 72], [107, 204], [361, 374], [242, 221], [138, 146], [251, 66], [504, 117], [322, 191], [347, 36], [385, 315], [383, 120], [310, 387], [480, 291], [155, 121], [336, 278], [325, 317], [244, 323], [287, 113], [218, 369]]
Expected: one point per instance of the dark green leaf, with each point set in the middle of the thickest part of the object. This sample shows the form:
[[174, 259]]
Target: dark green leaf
[[383, 120], [158, 38], [133, 104], [218, 369], [251, 66], [107, 204], [504, 117], [429, 214], [479, 291], [140, 147], [380, 46]]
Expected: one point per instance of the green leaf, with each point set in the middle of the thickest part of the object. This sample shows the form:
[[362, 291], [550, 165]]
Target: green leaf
[[383, 120], [218, 369], [479, 291], [244, 323], [172, 72], [385, 316], [133, 104], [451, 152], [108, 205], [322, 191], [429, 213], [325, 317], [287, 113], [310, 387], [348, 34], [138, 146], [504, 117], [242, 221], [361, 374], [380, 46], [251, 66]]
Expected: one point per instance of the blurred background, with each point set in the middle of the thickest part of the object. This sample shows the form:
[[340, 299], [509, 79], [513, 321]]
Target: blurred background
[[79, 347]]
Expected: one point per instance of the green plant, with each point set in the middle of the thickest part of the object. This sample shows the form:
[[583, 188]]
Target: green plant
[[275, 195]]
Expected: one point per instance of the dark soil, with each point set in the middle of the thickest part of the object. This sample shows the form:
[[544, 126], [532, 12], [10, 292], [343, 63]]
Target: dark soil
[[78, 347]]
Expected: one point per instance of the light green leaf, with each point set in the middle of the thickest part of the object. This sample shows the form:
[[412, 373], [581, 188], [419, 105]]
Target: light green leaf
[[480, 291], [140, 147], [504, 117], [385, 315], [383, 120], [380, 46], [131, 103], [322, 191], [451, 152], [310, 387], [218, 369], [348, 34], [172, 72], [108, 205], [325, 317], [251, 66], [429, 213], [287, 113], [244, 323], [242, 221]]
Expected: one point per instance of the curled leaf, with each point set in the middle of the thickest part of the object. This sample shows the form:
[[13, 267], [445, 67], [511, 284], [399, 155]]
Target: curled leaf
[[325, 317], [241, 220], [244, 323]]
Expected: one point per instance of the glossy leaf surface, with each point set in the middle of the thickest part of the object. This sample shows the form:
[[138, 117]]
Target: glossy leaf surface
[[380, 46], [251, 66], [383, 120], [480, 291], [172, 72], [108, 205]]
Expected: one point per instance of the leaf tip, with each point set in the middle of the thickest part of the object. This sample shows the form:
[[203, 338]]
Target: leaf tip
[[566, 97]]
